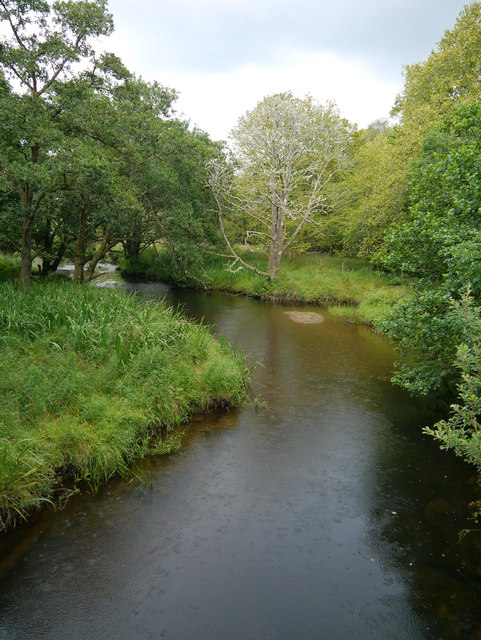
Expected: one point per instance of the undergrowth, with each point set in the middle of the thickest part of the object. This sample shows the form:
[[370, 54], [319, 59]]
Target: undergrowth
[[9, 267]]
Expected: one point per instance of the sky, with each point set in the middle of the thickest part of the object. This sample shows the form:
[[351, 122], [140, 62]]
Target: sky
[[223, 56]]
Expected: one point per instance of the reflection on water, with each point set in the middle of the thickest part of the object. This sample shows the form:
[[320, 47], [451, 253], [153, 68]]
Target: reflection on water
[[324, 515]]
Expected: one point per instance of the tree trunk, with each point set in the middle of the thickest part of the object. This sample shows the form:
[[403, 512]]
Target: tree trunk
[[277, 237], [275, 255], [78, 273], [105, 245], [277, 230], [51, 258], [26, 253], [132, 249], [30, 206]]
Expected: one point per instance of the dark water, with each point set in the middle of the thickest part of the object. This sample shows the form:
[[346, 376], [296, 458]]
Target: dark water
[[325, 515]]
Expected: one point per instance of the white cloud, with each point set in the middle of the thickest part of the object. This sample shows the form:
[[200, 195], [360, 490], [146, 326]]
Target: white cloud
[[214, 101], [223, 56], [218, 35]]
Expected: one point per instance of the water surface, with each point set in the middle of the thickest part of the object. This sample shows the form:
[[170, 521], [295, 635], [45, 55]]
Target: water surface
[[322, 512]]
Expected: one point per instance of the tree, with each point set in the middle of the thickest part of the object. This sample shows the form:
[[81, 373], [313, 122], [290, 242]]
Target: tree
[[451, 76], [440, 246], [285, 153], [373, 190], [378, 182], [462, 431], [45, 43], [166, 162], [184, 206]]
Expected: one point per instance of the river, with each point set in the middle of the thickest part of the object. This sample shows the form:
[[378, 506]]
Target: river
[[319, 511]]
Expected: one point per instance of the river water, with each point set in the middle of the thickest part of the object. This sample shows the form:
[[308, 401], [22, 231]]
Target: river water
[[320, 511]]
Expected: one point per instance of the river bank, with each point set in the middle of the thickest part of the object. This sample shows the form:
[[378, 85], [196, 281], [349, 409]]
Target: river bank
[[351, 288], [89, 382]]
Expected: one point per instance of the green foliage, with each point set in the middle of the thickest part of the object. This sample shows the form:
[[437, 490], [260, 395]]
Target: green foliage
[[462, 431], [426, 334], [450, 77], [185, 209], [45, 49], [9, 267], [444, 222], [88, 377], [373, 192], [90, 155], [439, 245]]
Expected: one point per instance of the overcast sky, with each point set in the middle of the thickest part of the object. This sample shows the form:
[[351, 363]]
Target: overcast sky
[[223, 56]]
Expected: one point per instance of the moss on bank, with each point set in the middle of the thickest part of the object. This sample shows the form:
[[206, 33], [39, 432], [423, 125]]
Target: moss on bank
[[88, 377], [350, 287]]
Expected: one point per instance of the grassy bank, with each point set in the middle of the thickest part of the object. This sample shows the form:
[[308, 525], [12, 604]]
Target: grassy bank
[[9, 268], [87, 377], [350, 287]]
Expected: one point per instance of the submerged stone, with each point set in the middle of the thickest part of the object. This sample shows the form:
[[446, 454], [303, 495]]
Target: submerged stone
[[305, 317]]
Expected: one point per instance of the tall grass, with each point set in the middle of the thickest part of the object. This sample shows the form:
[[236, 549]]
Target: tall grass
[[87, 377]]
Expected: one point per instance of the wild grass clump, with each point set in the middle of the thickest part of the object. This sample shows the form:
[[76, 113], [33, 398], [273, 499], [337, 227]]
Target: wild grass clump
[[88, 377], [9, 267]]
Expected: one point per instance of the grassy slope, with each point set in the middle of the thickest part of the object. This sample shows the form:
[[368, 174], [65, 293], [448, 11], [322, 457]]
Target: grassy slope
[[87, 377], [352, 288]]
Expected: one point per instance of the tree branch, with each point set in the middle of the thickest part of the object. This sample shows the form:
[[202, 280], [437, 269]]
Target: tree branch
[[229, 246], [13, 27]]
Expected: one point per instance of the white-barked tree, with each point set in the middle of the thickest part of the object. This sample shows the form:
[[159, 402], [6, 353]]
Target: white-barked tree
[[285, 152]]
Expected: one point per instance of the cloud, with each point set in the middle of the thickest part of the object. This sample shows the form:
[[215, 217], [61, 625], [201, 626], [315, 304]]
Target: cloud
[[214, 101], [221, 35], [223, 56]]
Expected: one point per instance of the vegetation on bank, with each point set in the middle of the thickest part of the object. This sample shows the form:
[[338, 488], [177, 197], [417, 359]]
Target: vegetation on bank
[[351, 287], [88, 377], [9, 268]]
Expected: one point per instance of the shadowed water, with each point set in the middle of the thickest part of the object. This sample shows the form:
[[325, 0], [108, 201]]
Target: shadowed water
[[321, 514]]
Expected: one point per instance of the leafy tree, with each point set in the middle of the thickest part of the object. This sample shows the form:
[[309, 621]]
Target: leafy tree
[[186, 217], [451, 76], [143, 110], [440, 245], [45, 44], [378, 183], [376, 171], [166, 163], [286, 151], [462, 431]]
